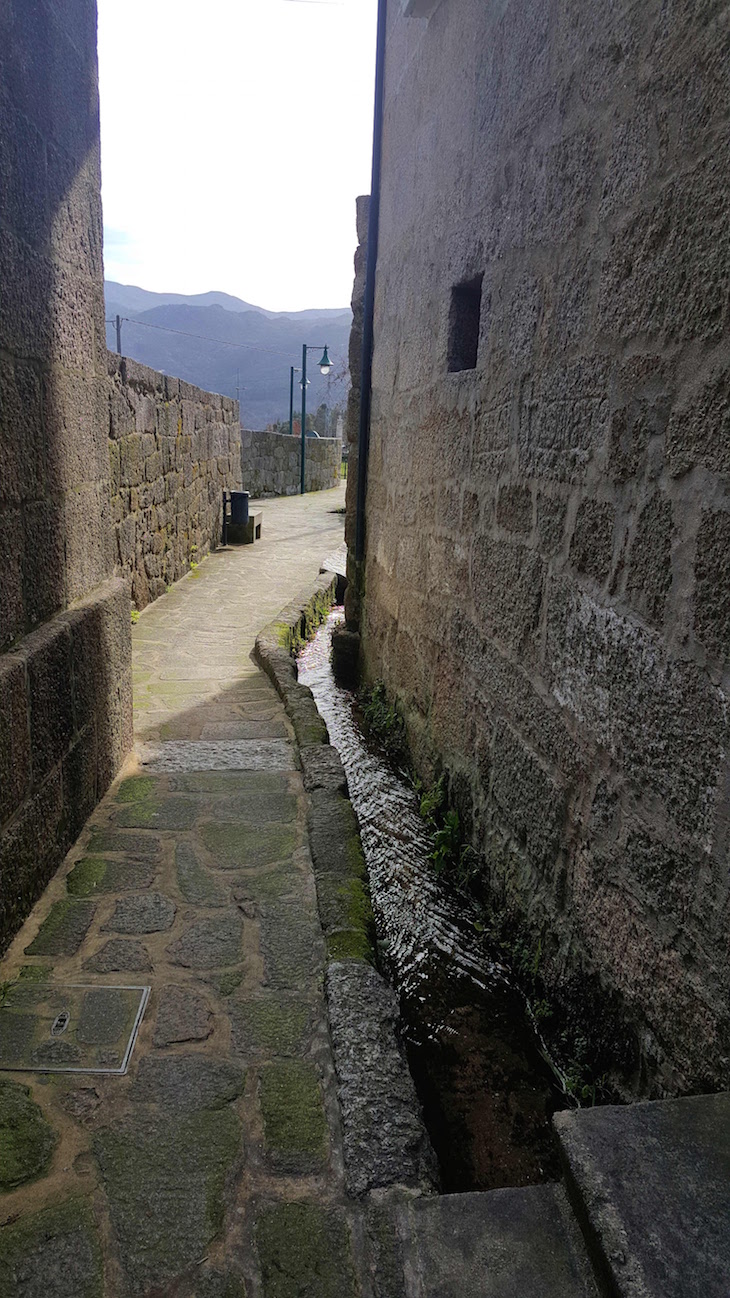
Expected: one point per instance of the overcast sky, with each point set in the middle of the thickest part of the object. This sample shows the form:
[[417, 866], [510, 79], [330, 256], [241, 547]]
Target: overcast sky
[[235, 136]]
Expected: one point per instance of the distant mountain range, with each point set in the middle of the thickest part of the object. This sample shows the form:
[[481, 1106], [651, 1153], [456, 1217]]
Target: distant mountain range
[[191, 336]]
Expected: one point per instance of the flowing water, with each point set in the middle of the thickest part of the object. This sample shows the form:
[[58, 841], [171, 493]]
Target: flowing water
[[486, 1089]]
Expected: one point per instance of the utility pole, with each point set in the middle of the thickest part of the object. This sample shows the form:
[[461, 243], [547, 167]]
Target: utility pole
[[119, 334]]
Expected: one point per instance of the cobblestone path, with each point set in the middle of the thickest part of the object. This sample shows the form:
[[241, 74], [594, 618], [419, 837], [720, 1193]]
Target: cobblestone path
[[213, 1168]]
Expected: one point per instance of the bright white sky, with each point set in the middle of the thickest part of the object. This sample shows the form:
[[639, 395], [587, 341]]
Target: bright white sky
[[235, 136]]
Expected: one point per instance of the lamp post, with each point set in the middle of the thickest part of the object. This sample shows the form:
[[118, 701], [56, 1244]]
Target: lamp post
[[325, 365]]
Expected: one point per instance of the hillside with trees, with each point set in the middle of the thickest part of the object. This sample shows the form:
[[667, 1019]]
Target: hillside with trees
[[223, 344]]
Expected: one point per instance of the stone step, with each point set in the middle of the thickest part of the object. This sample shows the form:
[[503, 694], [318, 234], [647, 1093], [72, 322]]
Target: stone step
[[652, 1184], [516, 1243]]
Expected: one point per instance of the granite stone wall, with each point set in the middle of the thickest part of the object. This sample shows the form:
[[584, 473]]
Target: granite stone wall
[[548, 513], [65, 674], [173, 449], [271, 463], [352, 417]]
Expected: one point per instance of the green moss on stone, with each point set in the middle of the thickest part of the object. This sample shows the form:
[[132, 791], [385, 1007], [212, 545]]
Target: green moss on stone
[[35, 973], [265, 800], [165, 1179], [309, 730], [52, 1254], [94, 874], [27, 1141], [344, 903], [86, 876], [350, 944], [295, 1127], [304, 1252], [277, 881], [111, 840], [64, 929], [197, 884], [347, 917], [229, 981], [355, 858], [290, 935], [283, 633], [158, 813], [272, 1026], [136, 789], [238, 846]]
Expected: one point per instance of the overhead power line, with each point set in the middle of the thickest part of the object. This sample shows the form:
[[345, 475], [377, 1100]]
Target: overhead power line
[[222, 342]]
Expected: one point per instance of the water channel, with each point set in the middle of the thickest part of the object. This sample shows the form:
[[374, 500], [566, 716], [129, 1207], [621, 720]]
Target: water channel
[[486, 1089]]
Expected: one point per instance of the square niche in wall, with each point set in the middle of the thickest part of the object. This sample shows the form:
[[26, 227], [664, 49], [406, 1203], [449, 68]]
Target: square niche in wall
[[464, 318]]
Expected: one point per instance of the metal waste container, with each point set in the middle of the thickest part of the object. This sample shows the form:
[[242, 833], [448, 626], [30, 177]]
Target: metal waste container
[[239, 507]]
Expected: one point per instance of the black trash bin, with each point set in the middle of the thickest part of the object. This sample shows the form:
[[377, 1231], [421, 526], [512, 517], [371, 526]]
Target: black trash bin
[[239, 508]]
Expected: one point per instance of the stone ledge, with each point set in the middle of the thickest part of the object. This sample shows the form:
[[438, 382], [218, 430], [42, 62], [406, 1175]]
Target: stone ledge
[[651, 1184], [385, 1141], [511, 1243]]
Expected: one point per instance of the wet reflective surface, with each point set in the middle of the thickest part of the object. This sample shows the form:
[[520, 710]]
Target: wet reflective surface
[[486, 1090]]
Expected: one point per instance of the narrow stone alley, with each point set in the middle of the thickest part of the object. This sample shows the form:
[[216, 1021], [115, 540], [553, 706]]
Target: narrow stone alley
[[214, 1165], [203, 1094]]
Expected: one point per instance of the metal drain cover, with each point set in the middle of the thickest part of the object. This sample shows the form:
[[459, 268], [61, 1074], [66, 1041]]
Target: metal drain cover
[[69, 1027]]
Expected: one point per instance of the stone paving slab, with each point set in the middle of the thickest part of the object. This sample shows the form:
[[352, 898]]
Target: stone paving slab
[[654, 1180], [218, 755], [521, 1243], [56, 1251]]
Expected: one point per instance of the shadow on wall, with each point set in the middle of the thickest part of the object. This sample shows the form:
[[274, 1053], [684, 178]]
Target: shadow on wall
[[54, 488], [65, 690]]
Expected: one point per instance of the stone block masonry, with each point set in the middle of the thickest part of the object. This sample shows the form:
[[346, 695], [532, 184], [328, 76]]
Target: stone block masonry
[[548, 510], [173, 450], [271, 463], [65, 657], [352, 420], [66, 704]]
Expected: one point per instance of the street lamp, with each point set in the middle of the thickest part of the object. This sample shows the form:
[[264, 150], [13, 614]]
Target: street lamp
[[325, 365]]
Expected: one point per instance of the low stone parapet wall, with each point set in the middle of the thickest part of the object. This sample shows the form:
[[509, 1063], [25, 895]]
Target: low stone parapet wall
[[271, 464], [173, 449]]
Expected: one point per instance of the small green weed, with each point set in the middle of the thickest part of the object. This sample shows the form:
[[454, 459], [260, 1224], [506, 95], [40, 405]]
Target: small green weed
[[383, 720], [579, 1080], [134, 615], [447, 843], [433, 802], [450, 854]]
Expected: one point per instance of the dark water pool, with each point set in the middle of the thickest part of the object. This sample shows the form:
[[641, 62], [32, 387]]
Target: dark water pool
[[486, 1087]]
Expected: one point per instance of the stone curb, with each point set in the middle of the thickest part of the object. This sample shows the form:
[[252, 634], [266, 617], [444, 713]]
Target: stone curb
[[384, 1137], [339, 865], [273, 653]]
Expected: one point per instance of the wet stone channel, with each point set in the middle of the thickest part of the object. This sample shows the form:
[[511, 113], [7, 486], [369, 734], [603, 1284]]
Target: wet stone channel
[[487, 1092]]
